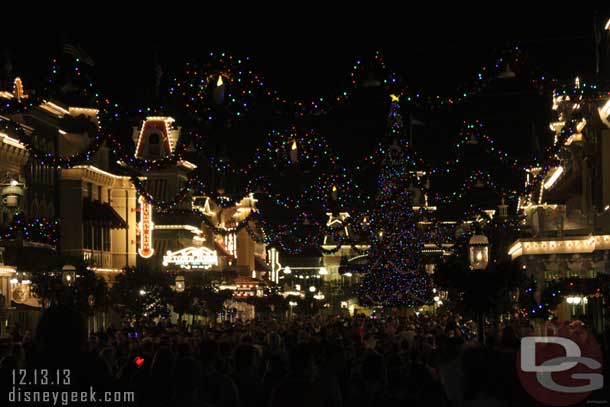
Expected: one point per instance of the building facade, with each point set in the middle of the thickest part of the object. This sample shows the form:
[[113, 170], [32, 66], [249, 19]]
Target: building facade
[[566, 209]]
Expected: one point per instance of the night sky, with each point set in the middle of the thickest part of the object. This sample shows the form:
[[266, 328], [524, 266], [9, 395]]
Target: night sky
[[309, 56]]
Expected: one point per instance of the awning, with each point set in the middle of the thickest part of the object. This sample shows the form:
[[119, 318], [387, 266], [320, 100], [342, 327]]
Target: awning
[[26, 256], [102, 213]]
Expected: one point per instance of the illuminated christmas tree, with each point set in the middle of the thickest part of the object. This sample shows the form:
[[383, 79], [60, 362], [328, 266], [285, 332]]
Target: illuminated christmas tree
[[396, 275]]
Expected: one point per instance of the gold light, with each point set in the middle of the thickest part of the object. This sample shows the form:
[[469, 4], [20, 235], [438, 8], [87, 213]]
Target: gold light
[[394, 98], [334, 188], [554, 177], [219, 82], [294, 145]]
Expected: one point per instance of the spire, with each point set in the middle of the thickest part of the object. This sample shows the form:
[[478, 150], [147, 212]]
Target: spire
[[158, 71]]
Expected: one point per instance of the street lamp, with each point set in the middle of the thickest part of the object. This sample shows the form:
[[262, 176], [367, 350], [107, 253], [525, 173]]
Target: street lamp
[[478, 253], [68, 274], [180, 284]]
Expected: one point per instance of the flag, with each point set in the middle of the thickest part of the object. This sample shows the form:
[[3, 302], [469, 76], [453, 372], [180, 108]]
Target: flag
[[157, 68], [78, 52], [415, 122], [158, 74]]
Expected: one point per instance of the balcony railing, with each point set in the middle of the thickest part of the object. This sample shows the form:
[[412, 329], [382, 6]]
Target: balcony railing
[[98, 258]]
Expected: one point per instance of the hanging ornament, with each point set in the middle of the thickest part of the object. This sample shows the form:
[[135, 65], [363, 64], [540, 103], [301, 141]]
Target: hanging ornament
[[219, 91], [294, 153], [335, 193]]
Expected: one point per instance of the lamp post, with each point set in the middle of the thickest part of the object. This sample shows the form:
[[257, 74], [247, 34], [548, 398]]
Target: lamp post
[[68, 274], [180, 284], [478, 254]]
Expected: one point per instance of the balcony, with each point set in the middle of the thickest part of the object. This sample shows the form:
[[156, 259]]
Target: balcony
[[98, 258]]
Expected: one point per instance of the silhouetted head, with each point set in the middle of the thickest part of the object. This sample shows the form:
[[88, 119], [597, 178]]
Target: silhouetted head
[[188, 375], [61, 329], [208, 352]]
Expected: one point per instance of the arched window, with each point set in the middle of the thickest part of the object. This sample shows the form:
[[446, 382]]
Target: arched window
[[154, 144]]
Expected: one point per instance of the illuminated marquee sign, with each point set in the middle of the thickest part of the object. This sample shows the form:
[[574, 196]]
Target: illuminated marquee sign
[[146, 228], [192, 258], [231, 244]]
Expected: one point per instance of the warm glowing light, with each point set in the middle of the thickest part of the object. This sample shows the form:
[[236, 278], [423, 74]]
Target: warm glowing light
[[158, 123], [18, 89], [576, 300], [142, 292], [348, 274], [334, 188], [191, 257], [190, 228], [230, 242], [553, 178], [607, 27], [394, 98], [146, 228], [323, 271], [11, 141], [276, 266], [219, 82], [294, 145], [287, 270], [479, 256], [101, 172], [312, 289]]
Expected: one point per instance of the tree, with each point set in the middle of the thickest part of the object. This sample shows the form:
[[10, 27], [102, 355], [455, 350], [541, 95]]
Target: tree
[[140, 294], [88, 293], [396, 276]]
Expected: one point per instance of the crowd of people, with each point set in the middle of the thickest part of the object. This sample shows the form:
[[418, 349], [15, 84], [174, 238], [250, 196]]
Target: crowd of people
[[416, 360]]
